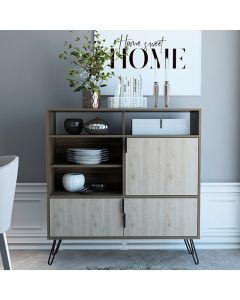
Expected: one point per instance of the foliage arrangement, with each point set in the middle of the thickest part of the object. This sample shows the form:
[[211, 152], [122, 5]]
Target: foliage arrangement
[[88, 60]]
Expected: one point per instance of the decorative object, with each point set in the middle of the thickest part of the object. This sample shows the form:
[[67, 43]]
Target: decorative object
[[129, 87], [145, 46], [166, 93], [91, 98], [86, 190], [99, 187], [130, 102], [97, 126], [160, 126], [155, 94], [87, 156], [128, 93], [73, 126], [89, 60], [73, 182]]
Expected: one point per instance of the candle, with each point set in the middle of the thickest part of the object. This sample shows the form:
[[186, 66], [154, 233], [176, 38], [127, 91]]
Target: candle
[[166, 67], [155, 70]]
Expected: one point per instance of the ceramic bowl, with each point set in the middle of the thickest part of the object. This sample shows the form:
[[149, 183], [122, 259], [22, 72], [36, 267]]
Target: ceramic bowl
[[73, 126], [73, 182]]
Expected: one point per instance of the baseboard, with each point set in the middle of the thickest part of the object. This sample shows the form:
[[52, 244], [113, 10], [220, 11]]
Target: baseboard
[[220, 222]]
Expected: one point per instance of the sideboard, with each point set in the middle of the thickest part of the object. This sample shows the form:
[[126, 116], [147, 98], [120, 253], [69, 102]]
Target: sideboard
[[153, 180]]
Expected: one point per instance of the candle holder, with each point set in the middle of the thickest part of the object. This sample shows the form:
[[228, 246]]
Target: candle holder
[[166, 93], [155, 94]]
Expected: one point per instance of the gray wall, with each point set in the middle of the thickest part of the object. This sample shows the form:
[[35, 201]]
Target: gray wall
[[32, 79]]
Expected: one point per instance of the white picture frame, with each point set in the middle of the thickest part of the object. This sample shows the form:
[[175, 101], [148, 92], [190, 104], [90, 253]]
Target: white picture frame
[[184, 79]]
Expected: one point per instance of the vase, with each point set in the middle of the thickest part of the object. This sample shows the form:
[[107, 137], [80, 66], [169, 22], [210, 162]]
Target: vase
[[97, 126], [73, 126], [91, 98]]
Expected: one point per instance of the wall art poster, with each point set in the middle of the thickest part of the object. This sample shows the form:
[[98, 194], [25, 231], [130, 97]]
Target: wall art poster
[[157, 55]]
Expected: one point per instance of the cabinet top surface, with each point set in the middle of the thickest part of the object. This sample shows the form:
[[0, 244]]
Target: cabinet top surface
[[124, 110]]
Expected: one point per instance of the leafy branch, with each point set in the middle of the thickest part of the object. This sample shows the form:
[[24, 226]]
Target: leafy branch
[[88, 60]]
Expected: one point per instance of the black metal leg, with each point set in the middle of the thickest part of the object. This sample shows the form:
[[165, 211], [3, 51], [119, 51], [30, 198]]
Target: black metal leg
[[54, 251], [192, 250], [188, 246]]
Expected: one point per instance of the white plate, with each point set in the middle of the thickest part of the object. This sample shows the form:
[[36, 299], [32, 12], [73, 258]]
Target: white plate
[[87, 156], [94, 161], [87, 159], [88, 162], [86, 151]]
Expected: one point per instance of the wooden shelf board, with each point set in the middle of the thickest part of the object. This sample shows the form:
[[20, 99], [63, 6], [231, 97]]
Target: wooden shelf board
[[86, 166], [124, 110], [85, 136], [121, 136], [161, 136], [64, 194]]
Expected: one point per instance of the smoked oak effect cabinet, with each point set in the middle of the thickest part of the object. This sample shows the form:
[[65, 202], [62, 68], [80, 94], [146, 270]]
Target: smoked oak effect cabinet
[[153, 181]]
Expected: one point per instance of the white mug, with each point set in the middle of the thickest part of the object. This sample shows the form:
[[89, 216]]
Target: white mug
[[73, 182]]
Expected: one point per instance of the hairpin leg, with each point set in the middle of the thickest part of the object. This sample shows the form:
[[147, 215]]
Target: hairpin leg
[[192, 250], [54, 251]]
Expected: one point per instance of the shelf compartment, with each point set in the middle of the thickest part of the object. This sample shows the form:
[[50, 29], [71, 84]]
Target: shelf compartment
[[114, 120], [115, 146], [112, 178], [192, 118]]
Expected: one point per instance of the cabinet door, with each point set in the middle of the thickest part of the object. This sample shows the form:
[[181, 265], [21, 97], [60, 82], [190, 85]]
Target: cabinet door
[[162, 166], [85, 217], [161, 217]]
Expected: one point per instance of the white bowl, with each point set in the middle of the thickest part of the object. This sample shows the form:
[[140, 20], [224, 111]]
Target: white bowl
[[73, 182]]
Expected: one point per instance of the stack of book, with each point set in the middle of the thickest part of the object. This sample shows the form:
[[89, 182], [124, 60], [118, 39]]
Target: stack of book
[[128, 93]]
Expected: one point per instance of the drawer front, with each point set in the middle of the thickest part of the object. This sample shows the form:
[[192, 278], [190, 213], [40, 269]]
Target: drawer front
[[162, 166], [85, 217], [161, 217]]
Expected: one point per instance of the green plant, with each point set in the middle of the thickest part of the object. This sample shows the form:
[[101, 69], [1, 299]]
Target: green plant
[[88, 61]]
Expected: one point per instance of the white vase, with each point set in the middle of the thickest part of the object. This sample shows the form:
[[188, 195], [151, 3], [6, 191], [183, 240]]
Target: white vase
[[73, 182]]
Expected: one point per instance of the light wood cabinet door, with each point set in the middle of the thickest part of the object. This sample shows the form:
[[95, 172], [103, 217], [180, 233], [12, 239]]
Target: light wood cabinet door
[[85, 217], [161, 217], [162, 166]]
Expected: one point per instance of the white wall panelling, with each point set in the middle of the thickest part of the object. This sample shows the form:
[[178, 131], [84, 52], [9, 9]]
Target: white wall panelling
[[220, 221]]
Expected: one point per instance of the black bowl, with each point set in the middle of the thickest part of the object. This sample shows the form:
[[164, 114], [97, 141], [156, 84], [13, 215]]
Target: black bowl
[[73, 126]]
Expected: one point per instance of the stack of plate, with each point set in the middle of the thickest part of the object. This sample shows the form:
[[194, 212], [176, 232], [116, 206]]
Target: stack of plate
[[87, 156]]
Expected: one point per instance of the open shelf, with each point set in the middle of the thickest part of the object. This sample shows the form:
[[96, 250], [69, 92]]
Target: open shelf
[[112, 178], [114, 145]]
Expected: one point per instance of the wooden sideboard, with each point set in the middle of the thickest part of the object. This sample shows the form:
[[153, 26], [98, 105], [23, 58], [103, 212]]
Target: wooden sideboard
[[153, 180]]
